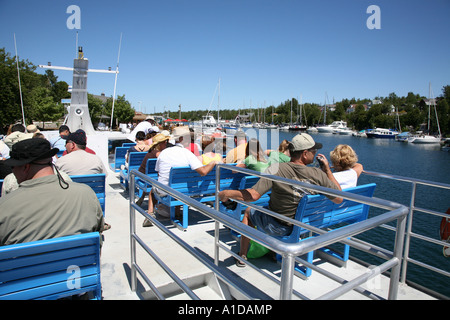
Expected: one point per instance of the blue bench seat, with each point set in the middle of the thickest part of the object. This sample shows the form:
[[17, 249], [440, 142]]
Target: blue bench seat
[[142, 186], [134, 162], [51, 269], [119, 158], [317, 211], [320, 212], [192, 184], [97, 182]]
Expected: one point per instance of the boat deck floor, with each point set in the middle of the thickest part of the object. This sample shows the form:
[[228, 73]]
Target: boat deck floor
[[116, 260]]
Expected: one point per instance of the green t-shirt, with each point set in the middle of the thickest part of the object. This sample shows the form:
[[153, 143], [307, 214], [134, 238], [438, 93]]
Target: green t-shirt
[[276, 156], [284, 197], [253, 164]]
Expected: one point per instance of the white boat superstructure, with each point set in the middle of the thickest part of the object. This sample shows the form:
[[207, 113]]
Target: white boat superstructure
[[343, 131], [331, 127]]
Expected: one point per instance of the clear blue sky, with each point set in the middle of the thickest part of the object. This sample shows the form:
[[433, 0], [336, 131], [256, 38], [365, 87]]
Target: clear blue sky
[[264, 52]]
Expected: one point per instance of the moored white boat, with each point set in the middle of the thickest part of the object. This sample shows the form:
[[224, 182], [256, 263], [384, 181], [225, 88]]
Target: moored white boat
[[343, 131], [382, 133], [427, 138], [330, 128], [424, 139]]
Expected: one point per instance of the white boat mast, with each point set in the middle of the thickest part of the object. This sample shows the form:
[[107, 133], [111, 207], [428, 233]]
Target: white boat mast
[[115, 82], [18, 77], [79, 117], [435, 111]]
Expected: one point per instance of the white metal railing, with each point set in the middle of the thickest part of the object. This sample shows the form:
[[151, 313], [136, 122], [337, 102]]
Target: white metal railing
[[289, 251], [409, 234]]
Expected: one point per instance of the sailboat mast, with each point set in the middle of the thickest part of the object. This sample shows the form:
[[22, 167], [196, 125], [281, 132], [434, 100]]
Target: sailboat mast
[[435, 111], [218, 103]]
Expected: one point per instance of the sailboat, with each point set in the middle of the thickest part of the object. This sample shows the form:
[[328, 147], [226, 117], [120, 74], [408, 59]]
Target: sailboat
[[427, 138]]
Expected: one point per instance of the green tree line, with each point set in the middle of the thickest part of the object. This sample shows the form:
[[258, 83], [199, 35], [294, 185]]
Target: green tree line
[[412, 113]]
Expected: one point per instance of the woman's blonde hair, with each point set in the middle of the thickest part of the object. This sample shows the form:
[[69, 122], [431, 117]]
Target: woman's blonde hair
[[343, 157]]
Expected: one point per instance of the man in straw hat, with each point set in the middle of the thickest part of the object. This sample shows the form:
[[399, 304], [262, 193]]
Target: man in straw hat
[[284, 198], [178, 156], [45, 205]]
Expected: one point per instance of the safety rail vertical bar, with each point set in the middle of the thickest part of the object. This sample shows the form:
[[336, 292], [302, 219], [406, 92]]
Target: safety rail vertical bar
[[408, 232], [132, 234], [216, 223], [398, 249], [287, 277]]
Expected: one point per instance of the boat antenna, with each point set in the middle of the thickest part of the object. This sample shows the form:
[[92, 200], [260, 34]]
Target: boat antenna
[[76, 46], [115, 82], [18, 77]]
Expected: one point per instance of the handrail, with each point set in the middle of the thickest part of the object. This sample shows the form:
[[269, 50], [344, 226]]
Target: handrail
[[409, 234], [288, 250]]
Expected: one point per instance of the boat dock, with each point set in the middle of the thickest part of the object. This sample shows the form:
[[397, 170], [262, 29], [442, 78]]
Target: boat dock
[[205, 278]]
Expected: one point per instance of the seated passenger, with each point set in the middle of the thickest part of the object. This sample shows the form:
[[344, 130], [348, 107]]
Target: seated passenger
[[45, 206], [140, 146], [60, 140], [178, 156], [210, 145], [78, 161], [237, 154], [280, 155], [346, 167], [284, 198], [255, 158]]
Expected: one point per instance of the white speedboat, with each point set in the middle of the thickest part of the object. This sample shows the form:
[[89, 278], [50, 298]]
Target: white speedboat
[[334, 125]]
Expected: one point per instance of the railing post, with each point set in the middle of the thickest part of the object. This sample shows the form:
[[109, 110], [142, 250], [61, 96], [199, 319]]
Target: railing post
[[408, 232], [132, 233], [287, 277], [395, 273], [216, 223]]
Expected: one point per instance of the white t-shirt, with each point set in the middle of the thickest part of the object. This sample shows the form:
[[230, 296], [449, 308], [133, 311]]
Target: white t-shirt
[[4, 150], [176, 156], [142, 126], [347, 178]]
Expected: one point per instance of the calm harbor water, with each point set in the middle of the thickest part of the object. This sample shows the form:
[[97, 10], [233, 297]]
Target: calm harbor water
[[425, 162]]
